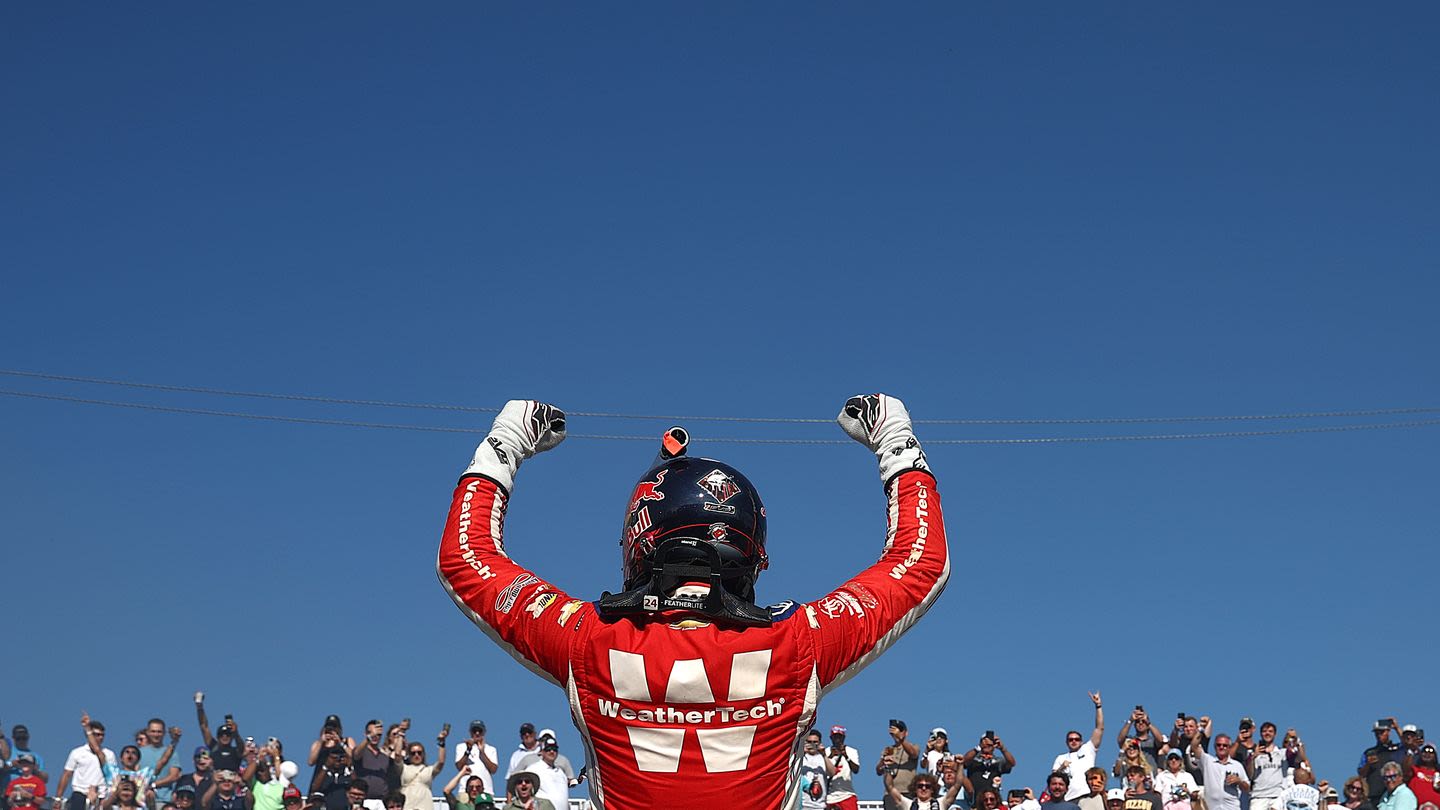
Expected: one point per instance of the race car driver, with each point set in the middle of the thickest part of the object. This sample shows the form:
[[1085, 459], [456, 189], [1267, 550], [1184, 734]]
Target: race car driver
[[680, 685]]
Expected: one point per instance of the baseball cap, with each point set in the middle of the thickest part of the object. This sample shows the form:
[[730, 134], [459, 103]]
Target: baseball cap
[[546, 732], [201, 750], [527, 728], [1114, 793], [550, 746], [1175, 752], [184, 787], [19, 729], [25, 758], [900, 724], [1409, 728], [332, 721], [939, 732], [837, 730], [1247, 722], [291, 792], [477, 725]]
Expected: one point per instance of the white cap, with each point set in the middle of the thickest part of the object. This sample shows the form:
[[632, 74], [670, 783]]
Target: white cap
[[1114, 793], [939, 732], [546, 732], [1410, 728]]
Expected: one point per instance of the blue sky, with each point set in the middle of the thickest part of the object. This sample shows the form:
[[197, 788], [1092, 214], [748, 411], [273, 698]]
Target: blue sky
[[1003, 210]]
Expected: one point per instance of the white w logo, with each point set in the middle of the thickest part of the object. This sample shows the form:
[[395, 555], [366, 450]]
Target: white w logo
[[726, 748]]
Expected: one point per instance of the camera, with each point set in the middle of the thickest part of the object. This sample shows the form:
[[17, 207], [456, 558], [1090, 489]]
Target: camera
[[989, 733]]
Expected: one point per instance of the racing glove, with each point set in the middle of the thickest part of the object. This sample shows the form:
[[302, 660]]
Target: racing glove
[[882, 424], [523, 428]]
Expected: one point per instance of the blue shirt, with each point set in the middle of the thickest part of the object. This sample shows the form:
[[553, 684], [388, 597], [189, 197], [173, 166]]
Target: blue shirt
[[149, 758]]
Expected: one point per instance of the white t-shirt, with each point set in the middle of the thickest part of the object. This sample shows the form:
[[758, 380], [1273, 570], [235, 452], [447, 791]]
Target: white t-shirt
[[842, 784], [813, 781], [473, 758], [515, 756], [1166, 782], [86, 770], [554, 785], [1076, 763]]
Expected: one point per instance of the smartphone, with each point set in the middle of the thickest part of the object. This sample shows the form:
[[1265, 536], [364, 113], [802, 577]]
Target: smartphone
[[1383, 722], [1139, 708], [1179, 715], [447, 728], [989, 733]]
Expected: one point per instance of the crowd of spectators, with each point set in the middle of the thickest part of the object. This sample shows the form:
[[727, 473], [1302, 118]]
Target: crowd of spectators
[[1192, 767]]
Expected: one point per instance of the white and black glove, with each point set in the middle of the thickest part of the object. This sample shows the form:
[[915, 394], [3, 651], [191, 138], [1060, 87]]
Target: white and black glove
[[523, 428], [882, 424]]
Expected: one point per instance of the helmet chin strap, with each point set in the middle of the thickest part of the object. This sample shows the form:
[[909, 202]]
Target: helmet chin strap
[[687, 578]]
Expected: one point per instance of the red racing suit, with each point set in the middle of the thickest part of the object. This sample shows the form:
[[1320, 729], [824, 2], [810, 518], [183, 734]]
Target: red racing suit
[[674, 704]]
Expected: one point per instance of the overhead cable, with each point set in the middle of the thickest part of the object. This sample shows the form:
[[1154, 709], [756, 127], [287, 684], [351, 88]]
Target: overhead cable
[[735, 439], [1106, 420]]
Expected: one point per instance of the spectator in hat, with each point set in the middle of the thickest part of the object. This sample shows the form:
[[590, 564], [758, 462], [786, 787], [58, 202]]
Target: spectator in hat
[[1397, 795], [1175, 785], [1244, 743], [199, 779], [1375, 757], [333, 779], [1411, 738], [522, 789], [130, 768], [292, 799], [474, 794], [1115, 799], [845, 760], [224, 744], [1145, 735], [25, 779], [986, 764], [554, 784], [17, 744], [898, 762], [480, 755], [417, 777], [529, 744], [184, 796], [1225, 779], [561, 761], [937, 745], [1425, 783], [88, 767], [927, 793], [332, 735], [1080, 753]]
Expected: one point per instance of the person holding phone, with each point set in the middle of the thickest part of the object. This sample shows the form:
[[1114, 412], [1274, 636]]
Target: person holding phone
[[416, 777], [1225, 777], [987, 763], [481, 757]]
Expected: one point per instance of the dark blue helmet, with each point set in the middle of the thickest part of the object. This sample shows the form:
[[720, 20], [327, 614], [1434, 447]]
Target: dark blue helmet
[[692, 519]]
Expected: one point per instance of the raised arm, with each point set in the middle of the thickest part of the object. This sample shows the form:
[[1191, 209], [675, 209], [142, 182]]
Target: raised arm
[[490, 588], [1098, 735], [204, 721], [854, 624], [440, 751]]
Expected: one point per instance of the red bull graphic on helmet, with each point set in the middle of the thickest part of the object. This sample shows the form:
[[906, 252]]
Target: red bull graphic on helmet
[[719, 486], [647, 491]]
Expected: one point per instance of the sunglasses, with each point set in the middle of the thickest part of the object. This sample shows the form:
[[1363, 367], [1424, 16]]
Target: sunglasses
[[1072, 739]]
